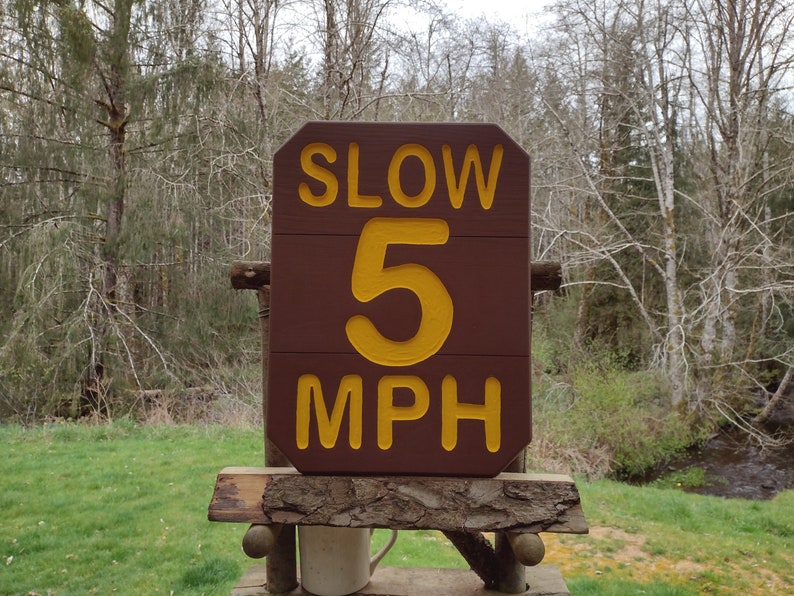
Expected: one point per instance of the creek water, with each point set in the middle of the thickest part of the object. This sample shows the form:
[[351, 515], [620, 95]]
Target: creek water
[[737, 467]]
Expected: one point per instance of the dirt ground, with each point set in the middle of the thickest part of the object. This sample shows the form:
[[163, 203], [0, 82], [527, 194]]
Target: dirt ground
[[611, 552]]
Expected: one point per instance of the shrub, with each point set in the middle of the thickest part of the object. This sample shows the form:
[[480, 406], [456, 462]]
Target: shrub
[[603, 412]]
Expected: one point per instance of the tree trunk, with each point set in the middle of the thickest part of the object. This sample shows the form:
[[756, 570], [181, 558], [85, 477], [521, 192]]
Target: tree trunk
[[765, 414], [115, 107]]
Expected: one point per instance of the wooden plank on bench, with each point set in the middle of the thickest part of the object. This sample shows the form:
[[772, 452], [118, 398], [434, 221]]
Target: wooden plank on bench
[[508, 502], [543, 580]]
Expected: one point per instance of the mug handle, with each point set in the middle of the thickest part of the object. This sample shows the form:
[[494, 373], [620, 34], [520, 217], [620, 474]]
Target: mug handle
[[373, 562]]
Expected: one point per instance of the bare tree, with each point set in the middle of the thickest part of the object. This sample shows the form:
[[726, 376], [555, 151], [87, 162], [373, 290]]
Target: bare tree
[[744, 48], [680, 90], [354, 57], [84, 80]]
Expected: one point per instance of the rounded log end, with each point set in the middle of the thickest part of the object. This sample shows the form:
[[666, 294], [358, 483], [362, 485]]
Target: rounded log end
[[259, 540], [528, 549], [249, 275]]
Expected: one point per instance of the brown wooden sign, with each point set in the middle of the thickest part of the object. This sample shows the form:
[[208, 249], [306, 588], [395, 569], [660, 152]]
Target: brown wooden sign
[[400, 315]]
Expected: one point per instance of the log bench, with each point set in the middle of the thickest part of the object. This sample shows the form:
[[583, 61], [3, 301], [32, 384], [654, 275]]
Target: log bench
[[515, 505]]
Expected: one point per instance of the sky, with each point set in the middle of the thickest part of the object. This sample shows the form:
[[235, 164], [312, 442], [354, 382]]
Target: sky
[[521, 14], [512, 11]]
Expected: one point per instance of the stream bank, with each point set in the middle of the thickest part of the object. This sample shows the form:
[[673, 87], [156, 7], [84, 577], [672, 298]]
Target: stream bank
[[730, 464]]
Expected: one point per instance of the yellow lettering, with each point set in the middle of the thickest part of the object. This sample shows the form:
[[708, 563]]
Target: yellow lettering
[[370, 278], [457, 188], [395, 186], [489, 412], [388, 413], [354, 199], [320, 173], [309, 387]]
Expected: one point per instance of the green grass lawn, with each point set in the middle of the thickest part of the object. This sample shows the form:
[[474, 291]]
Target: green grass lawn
[[120, 508]]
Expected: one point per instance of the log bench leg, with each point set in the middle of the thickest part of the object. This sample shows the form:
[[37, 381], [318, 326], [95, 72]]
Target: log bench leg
[[282, 574], [511, 574]]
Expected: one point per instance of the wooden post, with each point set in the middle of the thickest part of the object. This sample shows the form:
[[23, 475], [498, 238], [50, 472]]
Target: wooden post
[[281, 562], [511, 574], [282, 575], [273, 455]]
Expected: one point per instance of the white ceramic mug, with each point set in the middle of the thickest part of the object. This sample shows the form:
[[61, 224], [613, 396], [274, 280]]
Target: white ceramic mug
[[337, 561]]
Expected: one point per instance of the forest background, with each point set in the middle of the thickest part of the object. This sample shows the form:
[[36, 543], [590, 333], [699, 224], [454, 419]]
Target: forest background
[[136, 144]]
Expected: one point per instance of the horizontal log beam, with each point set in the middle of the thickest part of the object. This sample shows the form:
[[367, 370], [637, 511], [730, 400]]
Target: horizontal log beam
[[545, 275], [509, 502], [252, 275]]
